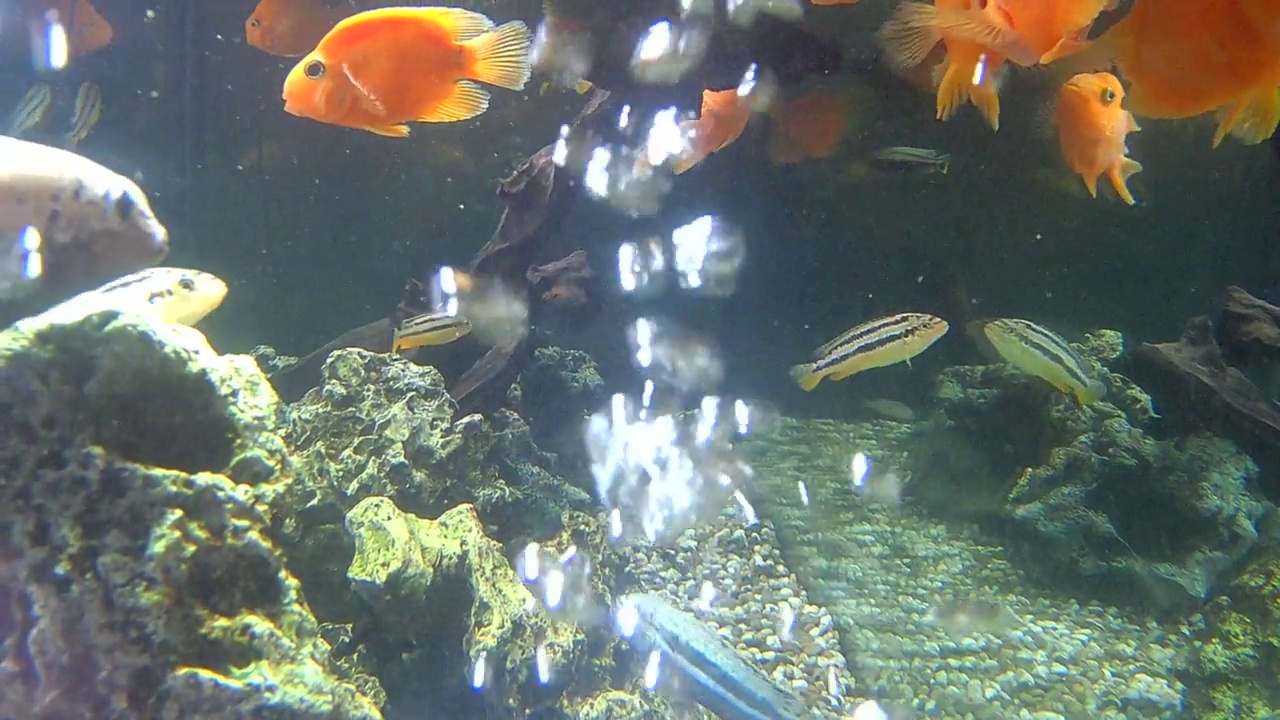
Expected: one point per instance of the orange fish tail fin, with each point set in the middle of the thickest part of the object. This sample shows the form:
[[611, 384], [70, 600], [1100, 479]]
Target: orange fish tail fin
[[909, 35], [1251, 120], [953, 87], [501, 56], [805, 377], [984, 98]]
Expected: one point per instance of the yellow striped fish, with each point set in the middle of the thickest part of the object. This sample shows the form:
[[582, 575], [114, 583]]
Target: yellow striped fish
[[88, 109], [30, 110], [889, 340], [428, 329], [1039, 352]]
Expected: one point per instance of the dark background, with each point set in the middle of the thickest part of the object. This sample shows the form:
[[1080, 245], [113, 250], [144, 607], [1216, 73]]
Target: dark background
[[316, 228]]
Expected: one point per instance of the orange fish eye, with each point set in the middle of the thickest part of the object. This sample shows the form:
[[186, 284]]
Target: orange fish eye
[[255, 22], [1108, 96], [314, 70]]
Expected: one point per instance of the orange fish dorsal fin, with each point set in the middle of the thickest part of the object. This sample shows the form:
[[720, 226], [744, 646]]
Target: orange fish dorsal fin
[[462, 24]]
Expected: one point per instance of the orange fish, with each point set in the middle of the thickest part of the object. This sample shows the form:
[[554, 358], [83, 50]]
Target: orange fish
[[1025, 32], [380, 69], [969, 72], [723, 118], [1091, 130], [806, 127], [1186, 57], [87, 31], [290, 28]]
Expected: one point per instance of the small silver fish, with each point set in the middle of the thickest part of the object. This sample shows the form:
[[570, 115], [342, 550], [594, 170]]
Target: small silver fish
[[30, 110], [964, 618], [21, 264], [912, 158], [87, 111]]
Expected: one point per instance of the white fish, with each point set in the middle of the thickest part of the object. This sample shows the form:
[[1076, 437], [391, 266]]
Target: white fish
[[21, 263], [95, 223], [166, 295]]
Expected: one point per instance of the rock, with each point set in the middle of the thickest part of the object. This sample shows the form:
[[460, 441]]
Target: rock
[[138, 574], [425, 579], [381, 426], [1097, 502]]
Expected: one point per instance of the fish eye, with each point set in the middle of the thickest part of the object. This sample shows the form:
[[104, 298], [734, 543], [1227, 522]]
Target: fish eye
[[314, 70], [186, 283], [255, 23], [1108, 96]]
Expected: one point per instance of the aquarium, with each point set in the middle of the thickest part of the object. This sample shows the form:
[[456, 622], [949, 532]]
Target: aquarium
[[639, 359]]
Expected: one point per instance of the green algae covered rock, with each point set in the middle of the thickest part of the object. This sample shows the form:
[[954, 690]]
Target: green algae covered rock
[[381, 426], [137, 575], [425, 579], [1233, 673], [1088, 497]]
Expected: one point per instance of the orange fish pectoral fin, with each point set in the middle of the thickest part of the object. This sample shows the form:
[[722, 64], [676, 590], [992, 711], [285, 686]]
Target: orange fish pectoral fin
[[909, 35], [501, 56], [467, 100]]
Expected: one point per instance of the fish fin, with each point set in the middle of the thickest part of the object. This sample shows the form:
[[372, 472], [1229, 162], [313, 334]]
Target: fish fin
[[1090, 183], [465, 102], [976, 27], [1120, 174], [1250, 120], [1091, 393], [955, 86], [397, 131], [462, 24], [909, 35], [1066, 47], [501, 57], [1133, 123], [368, 100], [805, 377]]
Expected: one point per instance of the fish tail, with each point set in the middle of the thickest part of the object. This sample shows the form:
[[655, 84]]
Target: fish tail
[[501, 56], [805, 377], [909, 35]]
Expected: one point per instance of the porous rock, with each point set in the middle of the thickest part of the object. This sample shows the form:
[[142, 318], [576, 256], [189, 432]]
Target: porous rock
[[1094, 499], [381, 426], [411, 569], [137, 575]]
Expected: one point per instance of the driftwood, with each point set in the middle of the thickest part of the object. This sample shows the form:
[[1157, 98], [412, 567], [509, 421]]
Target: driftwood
[[536, 197], [1193, 385]]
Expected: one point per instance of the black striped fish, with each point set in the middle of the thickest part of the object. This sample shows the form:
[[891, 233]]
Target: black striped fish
[[889, 340], [1039, 352], [30, 110], [912, 158], [428, 329], [166, 295], [87, 111]]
